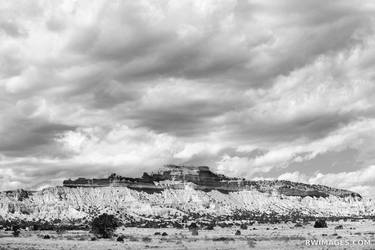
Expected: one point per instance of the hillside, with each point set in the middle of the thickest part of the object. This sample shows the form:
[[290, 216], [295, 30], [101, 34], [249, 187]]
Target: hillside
[[202, 178], [174, 204]]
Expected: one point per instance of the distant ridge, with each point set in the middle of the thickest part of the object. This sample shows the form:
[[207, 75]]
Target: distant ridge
[[175, 195], [202, 178]]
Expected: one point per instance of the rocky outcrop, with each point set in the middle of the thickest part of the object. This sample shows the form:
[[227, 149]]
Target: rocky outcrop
[[177, 195], [172, 205], [202, 178]]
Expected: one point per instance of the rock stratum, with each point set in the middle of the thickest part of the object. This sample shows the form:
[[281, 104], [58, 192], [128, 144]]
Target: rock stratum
[[176, 195]]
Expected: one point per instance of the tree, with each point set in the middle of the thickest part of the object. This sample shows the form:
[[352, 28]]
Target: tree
[[16, 230], [320, 223], [104, 225]]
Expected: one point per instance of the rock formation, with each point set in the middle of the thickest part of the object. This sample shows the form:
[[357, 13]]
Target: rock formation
[[178, 195], [202, 178]]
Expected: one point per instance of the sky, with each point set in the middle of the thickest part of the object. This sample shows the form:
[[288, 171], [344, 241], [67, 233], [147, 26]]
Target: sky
[[257, 89]]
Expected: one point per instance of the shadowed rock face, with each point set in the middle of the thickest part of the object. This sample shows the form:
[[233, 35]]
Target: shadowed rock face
[[19, 194], [202, 178]]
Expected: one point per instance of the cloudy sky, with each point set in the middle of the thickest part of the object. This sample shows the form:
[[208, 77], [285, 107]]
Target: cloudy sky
[[259, 89]]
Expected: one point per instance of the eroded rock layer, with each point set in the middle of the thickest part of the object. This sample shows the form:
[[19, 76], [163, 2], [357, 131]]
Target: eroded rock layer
[[179, 194]]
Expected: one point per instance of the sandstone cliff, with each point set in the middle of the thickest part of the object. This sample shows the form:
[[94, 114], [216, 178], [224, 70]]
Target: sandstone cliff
[[171, 203]]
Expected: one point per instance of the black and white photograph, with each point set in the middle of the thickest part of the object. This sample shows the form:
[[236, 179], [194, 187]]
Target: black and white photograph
[[187, 124]]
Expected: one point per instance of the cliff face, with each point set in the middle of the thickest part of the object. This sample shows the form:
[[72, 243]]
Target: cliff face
[[177, 193], [72, 204], [201, 178]]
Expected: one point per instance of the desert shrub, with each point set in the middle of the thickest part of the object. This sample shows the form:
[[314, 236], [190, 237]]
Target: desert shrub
[[120, 238], [243, 226], [238, 232], [104, 225], [130, 237], [178, 225], [42, 225], [194, 231], [193, 225], [16, 231], [223, 239], [251, 243], [146, 239], [60, 230], [320, 223], [35, 227]]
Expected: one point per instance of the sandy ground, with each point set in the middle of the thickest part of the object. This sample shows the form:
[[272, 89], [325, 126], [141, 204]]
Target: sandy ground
[[354, 235]]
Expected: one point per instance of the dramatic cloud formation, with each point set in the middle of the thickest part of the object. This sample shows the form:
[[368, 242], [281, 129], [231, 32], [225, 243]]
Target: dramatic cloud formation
[[261, 89]]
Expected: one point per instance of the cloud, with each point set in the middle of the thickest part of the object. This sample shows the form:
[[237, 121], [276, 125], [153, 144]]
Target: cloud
[[119, 146], [249, 87], [11, 29], [360, 180], [101, 151], [357, 135]]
